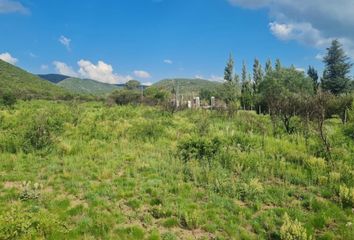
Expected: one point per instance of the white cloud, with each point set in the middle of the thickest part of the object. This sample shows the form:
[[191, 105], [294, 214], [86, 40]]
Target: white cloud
[[9, 6], [300, 69], [65, 41], [102, 72], [302, 32], [213, 78], [44, 67], [32, 55], [315, 22], [216, 78], [168, 61], [64, 69], [8, 58], [147, 83], [141, 74]]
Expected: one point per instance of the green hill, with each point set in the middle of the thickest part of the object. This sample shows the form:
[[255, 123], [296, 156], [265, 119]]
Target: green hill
[[187, 87], [87, 86], [22, 84]]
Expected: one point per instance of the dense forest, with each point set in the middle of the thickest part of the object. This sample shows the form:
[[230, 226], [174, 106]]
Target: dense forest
[[272, 159]]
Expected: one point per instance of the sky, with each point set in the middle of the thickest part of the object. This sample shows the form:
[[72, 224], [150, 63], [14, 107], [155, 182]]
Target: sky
[[116, 40]]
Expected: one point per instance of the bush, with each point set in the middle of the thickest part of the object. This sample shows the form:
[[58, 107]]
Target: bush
[[293, 230], [155, 96], [38, 136], [19, 223], [8, 100], [346, 196], [201, 149], [124, 97], [30, 191]]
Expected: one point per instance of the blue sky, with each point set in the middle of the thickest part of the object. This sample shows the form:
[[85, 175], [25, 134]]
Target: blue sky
[[113, 41]]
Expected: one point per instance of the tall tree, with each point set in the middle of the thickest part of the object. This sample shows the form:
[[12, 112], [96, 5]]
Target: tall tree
[[229, 70], [257, 75], [246, 91], [337, 68], [230, 89], [313, 74], [278, 65], [244, 72], [268, 67]]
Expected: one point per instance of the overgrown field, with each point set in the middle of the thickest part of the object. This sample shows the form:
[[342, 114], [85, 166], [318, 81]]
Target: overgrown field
[[88, 171]]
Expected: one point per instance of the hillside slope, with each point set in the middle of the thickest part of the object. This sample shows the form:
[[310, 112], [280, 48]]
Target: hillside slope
[[187, 87], [87, 86], [26, 85], [54, 78]]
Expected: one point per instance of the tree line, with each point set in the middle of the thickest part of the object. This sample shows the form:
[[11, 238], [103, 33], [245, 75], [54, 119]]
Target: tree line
[[286, 93]]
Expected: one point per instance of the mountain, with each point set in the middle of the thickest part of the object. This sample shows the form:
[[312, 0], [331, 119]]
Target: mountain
[[26, 85], [185, 86], [54, 78], [87, 86]]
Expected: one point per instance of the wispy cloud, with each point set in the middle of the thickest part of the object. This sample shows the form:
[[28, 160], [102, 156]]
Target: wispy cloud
[[142, 74], [213, 78], [44, 67], [168, 61], [65, 41], [9, 6], [32, 55], [8, 58]]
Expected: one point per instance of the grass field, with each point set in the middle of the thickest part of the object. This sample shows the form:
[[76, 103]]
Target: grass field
[[88, 171]]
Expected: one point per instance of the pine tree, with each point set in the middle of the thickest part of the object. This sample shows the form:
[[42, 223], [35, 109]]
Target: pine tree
[[268, 67], [278, 65], [257, 75], [337, 67], [231, 89], [313, 74], [229, 70], [244, 72]]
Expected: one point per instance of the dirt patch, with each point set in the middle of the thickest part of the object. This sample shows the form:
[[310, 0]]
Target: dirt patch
[[11, 185]]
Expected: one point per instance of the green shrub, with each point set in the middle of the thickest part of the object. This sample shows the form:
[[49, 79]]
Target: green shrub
[[201, 149], [124, 97], [346, 195], [293, 230], [8, 100], [17, 223], [189, 220], [168, 236], [38, 136], [170, 222], [30, 191]]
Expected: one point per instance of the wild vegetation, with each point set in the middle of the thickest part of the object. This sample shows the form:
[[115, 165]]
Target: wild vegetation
[[275, 162], [89, 171]]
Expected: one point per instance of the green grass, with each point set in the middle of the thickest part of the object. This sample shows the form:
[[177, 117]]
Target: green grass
[[26, 85], [140, 173]]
